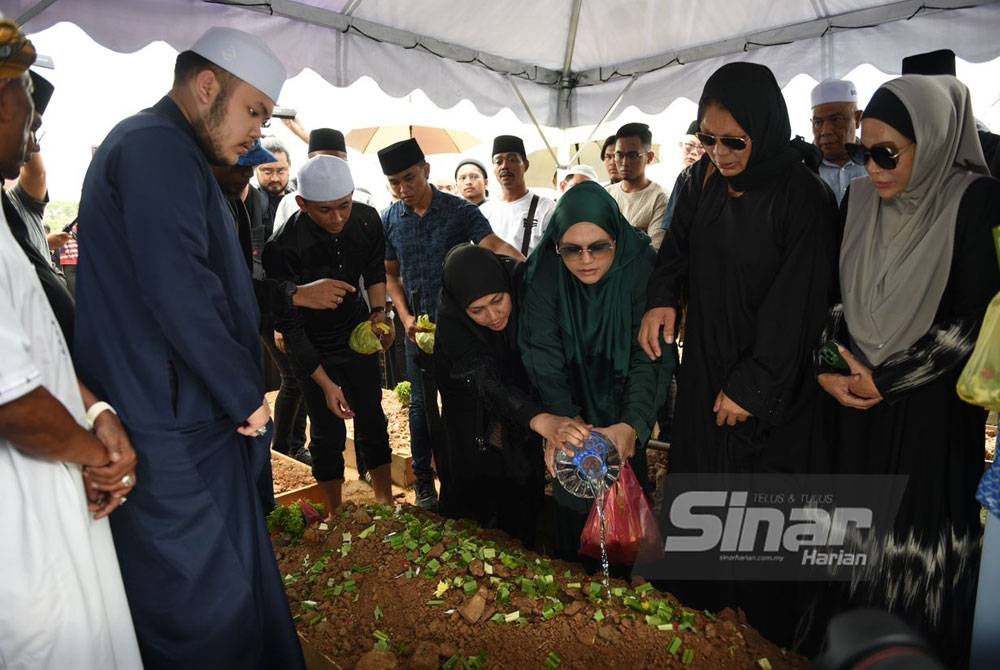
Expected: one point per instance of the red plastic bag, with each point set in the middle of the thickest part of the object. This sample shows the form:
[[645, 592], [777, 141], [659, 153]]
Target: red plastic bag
[[630, 526]]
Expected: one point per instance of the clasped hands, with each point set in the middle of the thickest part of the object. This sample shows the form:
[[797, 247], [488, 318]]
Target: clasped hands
[[107, 486], [857, 389]]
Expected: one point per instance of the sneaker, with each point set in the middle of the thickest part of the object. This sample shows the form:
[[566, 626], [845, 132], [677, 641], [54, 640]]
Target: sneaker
[[366, 478], [426, 495], [303, 456]]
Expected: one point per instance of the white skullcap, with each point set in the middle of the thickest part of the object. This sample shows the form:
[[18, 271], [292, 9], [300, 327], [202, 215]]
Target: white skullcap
[[585, 170], [324, 178], [834, 90], [245, 56]]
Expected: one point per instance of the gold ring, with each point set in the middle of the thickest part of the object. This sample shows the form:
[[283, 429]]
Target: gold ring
[[128, 480]]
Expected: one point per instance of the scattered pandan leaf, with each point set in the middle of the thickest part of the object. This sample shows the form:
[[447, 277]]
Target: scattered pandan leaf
[[594, 590], [599, 616], [674, 646], [470, 587], [709, 615], [553, 660], [367, 531], [643, 589], [499, 617], [688, 656], [513, 616], [310, 605], [378, 613], [764, 663], [435, 603], [574, 585], [381, 641]]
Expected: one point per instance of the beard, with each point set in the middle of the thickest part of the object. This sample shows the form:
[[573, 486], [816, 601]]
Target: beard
[[209, 129]]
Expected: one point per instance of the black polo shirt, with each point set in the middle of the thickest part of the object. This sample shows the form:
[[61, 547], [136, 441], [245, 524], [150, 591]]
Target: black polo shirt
[[302, 252]]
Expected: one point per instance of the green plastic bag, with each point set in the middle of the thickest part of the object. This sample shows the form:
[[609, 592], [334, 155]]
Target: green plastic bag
[[425, 334], [979, 383], [364, 339]]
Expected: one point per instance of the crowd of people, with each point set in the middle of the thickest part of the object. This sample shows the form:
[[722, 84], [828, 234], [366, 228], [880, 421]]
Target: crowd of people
[[142, 380]]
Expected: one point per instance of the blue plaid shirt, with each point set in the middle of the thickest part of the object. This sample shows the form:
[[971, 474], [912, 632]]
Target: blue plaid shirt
[[420, 244]]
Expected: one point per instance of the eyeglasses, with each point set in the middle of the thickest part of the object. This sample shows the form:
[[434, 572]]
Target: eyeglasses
[[629, 155], [886, 158], [836, 120], [574, 252], [692, 146], [728, 141]]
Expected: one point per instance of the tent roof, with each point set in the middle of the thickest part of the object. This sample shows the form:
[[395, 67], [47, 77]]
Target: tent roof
[[569, 60]]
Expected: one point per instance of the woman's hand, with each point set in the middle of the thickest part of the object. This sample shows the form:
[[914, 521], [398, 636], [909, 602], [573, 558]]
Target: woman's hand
[[861, 382], [623, 436], [856, 390], [727, 412], [560, 430], [839, 386]]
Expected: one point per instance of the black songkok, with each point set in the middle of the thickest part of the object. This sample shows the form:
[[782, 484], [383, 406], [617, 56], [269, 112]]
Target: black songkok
[[400, 156]]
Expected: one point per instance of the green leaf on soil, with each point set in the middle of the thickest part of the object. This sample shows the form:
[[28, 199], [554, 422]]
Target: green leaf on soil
[[594, 590], [688, 656], [489, 553], [643, 589], [473, 662], [367, 531], [598, 616], [470, 587], [499, 617], [553, 660], [379, 635], [435, 603], [674, 646], [309, 605], [513, 616], [709, 615], [665, 626], [347, 538], [764, 663], [488, 568], [442, 587], [574, 585], [378, 613]]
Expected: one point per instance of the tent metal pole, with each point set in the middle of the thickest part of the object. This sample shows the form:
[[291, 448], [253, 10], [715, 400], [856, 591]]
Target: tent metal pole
[[531, 115], [574, 24], [611, 109], [33, 11]]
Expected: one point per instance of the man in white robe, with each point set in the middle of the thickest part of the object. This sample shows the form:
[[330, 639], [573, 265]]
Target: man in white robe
[[62, 604]]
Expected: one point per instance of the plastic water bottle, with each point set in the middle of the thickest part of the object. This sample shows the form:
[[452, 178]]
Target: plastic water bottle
[[590, 469]]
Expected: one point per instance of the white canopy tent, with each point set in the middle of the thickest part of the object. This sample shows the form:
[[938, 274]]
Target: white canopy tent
[[564, 63]]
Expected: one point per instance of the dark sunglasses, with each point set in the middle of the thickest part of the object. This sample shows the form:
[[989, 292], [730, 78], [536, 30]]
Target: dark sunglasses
[[734, 143], [575, 251], [886, 158]]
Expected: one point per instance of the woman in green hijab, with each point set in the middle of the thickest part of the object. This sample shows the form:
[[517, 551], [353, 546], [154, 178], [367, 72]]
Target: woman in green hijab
[[584, 297]]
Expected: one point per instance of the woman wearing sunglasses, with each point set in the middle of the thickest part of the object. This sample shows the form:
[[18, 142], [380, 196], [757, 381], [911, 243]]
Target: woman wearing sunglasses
[[917, 270], [493, 419], [751, 253], [584, 295]]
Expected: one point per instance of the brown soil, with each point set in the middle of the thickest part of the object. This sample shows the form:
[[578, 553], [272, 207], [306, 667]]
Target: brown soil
[[427, 592], [288, 476]]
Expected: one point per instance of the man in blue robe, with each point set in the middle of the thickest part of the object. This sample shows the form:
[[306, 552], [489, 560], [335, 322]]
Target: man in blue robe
[[167, 330]]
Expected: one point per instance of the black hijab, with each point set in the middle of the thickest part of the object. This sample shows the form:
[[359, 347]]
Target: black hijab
[[471, 272], [751, 94]]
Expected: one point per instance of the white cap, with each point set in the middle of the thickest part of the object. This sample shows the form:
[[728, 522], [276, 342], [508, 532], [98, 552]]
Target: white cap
[[324, 178], [245, 56], [585, 170], [834, 90]]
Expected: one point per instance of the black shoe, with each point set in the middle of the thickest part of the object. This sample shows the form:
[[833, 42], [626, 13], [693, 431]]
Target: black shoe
[[426, 494], [303, 456]]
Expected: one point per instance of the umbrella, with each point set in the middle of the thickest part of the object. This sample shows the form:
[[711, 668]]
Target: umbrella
[[431, 140], [542, 166]]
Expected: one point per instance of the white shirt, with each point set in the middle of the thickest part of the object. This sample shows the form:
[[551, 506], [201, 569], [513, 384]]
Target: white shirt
[[507, 219], [839, 177], [63, 603]]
